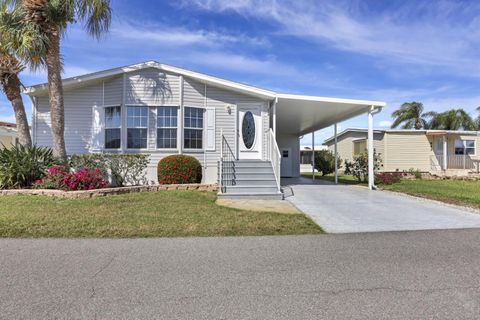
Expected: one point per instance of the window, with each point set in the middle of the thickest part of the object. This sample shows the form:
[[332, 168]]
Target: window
[[137, 127], [285, 153], [465, 147], [167, 127], [112, 127], [193, 132], [359, 147]]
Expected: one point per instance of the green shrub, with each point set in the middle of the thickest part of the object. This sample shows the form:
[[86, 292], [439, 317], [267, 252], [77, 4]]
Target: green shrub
[[359, 166], [415, 173], [20, 166], [325, 162], [123, 169], [179, 169]]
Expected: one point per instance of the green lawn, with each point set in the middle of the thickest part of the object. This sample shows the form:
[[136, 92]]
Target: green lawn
[[345, 179], [450, 191], [161, 214]]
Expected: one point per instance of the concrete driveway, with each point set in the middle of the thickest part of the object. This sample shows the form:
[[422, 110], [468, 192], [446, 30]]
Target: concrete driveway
[[344, 209]]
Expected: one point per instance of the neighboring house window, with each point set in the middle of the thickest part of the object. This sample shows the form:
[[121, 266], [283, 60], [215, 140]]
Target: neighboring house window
[[193, 132], [167, 127], [137, 127], [465, 147], [112, 127], [359, 147]]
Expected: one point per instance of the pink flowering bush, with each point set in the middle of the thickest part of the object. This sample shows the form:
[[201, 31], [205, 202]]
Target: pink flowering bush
[[388, 178], [59, 177]]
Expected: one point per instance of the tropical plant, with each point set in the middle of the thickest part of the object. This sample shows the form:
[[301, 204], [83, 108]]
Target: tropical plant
[[21, 165], [179, 169], [34, 29], [325, 162], [10, 84], [477, 120], [453, 119], [410, 115]]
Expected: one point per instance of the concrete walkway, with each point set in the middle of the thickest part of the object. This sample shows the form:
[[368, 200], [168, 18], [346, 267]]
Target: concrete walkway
[[344, 209]]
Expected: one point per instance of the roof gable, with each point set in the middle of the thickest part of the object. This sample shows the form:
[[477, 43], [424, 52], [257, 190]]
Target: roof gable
[[214, 81]]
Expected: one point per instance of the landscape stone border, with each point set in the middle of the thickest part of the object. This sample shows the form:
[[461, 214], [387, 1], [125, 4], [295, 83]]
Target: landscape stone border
[[85, 194]]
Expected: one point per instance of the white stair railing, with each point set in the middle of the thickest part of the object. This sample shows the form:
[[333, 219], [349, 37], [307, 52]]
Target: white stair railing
[[274, 156], [226, 168]]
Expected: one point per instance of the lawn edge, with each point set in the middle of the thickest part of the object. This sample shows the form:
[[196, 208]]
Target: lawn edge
[[427, 198]]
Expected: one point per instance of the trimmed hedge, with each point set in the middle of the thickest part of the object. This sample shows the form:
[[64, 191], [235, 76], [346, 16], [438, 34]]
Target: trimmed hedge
[[179, 169]]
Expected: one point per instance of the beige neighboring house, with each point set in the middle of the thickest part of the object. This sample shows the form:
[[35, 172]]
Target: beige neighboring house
[[8, 134], [425, 150]]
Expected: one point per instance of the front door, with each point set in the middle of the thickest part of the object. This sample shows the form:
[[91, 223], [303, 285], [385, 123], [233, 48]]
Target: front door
[[249, 131], [286, 163]]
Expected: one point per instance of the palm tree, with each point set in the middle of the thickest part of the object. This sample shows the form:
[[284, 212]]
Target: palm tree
[[35, 29], [453, 119], [477, 120], [410, 114], [10, 84]]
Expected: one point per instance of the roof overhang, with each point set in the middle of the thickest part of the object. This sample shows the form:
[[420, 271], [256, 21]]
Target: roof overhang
[[300, 115]]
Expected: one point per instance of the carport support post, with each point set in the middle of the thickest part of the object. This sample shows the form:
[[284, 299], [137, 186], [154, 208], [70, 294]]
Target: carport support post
[[313, 155], [370, 148], [336, 153], [445, 158]]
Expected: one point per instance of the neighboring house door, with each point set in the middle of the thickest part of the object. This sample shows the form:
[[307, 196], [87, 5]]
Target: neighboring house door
[[249, 131], [287, 163]]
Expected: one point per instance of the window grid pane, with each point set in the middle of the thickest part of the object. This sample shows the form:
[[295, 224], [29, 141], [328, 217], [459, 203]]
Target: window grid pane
[[112, 127], [193, 132], [167, 127], [112, 138], [137, 127]]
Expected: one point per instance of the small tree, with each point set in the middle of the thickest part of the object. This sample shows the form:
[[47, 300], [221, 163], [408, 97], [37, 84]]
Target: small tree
[[359, 166], [325, 162]]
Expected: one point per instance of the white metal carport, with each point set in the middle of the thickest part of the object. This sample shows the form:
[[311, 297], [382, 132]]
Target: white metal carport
[[299, 115]]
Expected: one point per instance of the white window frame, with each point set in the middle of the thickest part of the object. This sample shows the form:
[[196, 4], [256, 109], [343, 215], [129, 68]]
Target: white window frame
[[105, 128], [157, 127], [464, 142], [193, 150], [128, 127]]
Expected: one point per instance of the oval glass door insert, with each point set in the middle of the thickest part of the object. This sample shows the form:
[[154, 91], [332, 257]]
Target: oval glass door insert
[[248, 130]]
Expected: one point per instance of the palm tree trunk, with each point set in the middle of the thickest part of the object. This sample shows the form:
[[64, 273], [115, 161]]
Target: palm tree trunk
[[11, 87], [55, 89]]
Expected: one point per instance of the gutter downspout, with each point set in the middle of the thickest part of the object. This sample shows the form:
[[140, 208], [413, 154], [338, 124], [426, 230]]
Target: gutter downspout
[[371, 178], [33, 131], [274, 115]]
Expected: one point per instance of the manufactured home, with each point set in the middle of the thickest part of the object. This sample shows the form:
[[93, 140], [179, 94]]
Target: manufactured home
[[246, 138], [433, 151]]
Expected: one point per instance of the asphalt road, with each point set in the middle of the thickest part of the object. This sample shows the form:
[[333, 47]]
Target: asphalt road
[[402, 275]]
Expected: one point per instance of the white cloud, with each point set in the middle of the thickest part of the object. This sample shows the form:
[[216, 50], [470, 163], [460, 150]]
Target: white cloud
[[179, 36], [385, 124], [7, 118], [441, 35]]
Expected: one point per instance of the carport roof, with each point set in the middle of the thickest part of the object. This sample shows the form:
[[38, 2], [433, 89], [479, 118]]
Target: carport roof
[[297, 114]]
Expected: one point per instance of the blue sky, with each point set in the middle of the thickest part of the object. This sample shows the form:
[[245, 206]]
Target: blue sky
[[394, 51]]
